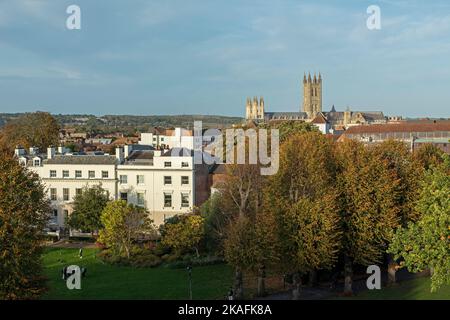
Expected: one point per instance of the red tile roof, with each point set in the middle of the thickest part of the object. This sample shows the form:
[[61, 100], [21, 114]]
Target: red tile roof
[[416, 126]]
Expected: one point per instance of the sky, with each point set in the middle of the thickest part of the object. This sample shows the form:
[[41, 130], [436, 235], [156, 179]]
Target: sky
[[148, 57]]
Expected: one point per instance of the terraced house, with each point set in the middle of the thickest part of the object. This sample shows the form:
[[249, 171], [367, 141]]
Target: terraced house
[[165, 182]]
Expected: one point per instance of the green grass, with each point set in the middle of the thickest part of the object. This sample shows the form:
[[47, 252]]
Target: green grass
[[104, 281], [416, 289]]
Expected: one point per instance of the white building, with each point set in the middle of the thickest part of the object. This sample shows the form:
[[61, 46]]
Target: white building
[[165, 182], [169, 138]]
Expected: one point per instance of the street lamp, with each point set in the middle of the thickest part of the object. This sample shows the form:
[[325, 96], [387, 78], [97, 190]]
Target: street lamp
[[189, 269]]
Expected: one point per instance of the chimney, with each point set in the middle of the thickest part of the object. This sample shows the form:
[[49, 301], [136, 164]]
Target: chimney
[[127, 150], [19, 151], [119, 154], [50, 152], [33, 151]]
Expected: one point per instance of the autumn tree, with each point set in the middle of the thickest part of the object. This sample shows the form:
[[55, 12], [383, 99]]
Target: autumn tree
[[428, 155], [87, 209], [302, 201], [367, 206], [24, 212], [123, 224], [38, 129], [184, 234], [407, 171], [426, 243], [290, 128]]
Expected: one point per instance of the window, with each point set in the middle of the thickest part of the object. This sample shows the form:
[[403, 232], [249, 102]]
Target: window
[[66, 194], [140, 199], [167, 180], [53, 194], [78, 191], [91, 174], [65, 173], [123, 179], [184, 164], [105, 174], [167, 200], [78, 174], [185, 200], [185, 180], [52, 173], [167, 164], [140, 179], [37, 162], [54, 218], [124, 196]]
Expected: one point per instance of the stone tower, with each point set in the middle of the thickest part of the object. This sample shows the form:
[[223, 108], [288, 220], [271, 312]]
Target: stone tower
[[254, 109], [312, 95]]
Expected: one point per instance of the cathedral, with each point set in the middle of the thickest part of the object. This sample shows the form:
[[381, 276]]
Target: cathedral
[[311, 110]]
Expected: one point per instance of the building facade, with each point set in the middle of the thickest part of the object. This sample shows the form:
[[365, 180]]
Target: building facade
[[165, 182]]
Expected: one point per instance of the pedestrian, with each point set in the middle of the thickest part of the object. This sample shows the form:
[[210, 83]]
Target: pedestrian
[[81, 253]]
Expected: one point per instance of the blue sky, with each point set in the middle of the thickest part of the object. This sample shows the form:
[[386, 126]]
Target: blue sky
[[206, 56]]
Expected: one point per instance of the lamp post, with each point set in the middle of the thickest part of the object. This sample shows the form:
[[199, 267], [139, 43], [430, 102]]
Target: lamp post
[[189, 270]]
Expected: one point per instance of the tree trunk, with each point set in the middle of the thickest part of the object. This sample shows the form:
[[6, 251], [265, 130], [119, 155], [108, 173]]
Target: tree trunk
[[238, 285], [261, 283], [348, 274], [392, 270], [431, 271], [297, 280], [312, 278]]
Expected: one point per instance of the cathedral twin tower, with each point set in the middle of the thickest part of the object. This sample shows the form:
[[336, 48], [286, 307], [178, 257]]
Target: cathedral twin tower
[[312, 100]]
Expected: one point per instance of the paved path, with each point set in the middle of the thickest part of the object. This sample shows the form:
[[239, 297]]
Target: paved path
[[72, 245], [324, 291]]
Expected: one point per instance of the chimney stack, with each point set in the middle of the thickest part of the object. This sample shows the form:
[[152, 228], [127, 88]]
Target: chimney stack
[[50, 152]]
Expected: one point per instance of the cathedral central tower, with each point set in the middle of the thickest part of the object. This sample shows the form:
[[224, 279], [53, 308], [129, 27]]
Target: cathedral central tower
[[312, 95]]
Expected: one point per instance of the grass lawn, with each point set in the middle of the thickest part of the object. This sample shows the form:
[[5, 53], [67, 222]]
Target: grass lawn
[[112, 282], [416, 289]]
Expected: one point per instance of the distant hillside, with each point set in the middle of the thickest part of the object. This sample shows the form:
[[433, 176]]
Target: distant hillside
[[131, 123]]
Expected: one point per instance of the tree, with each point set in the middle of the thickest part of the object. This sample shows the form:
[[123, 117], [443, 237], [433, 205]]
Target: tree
[[242, 199], [185, 234], [302, 201], [39, 129], [426, 243], [428, 155], [367, 206], [87, 209], [24, 212], [407, 171], [291, 128], [122, 224]]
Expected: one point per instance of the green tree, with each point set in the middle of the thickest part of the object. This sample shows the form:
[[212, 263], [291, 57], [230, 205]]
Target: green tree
[[185, 234], [367, 206], [38, 129], [122, 224], [87, 209], [426, 243], [24, 212]]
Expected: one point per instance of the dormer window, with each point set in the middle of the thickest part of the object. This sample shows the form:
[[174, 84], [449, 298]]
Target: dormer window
[[37, 162]]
